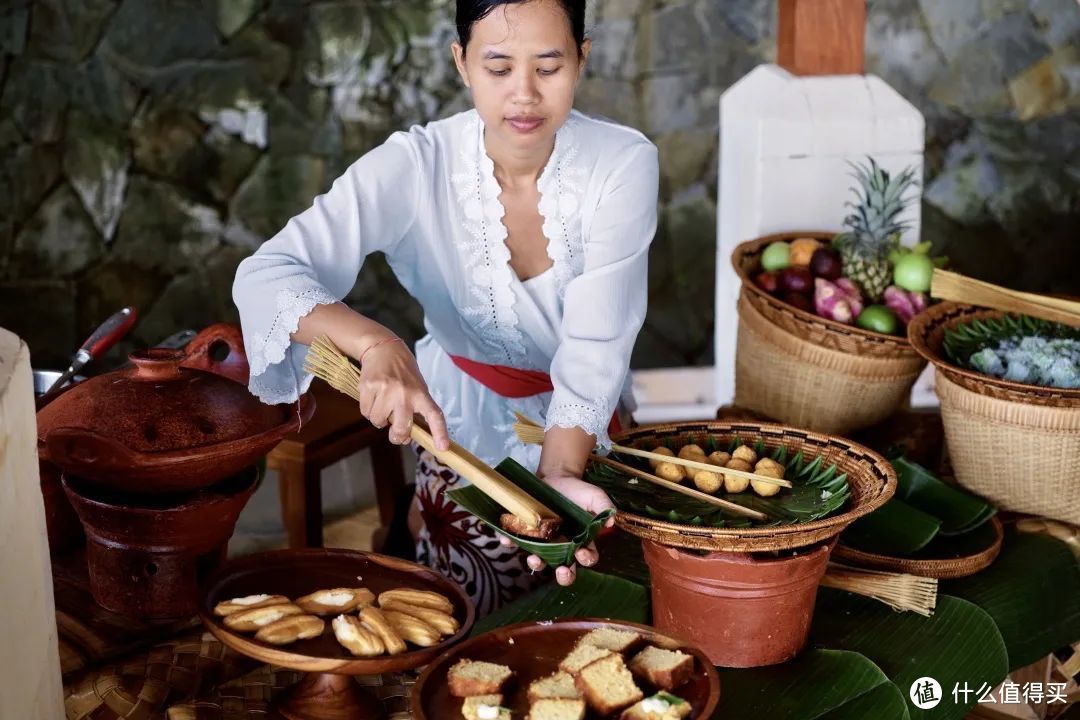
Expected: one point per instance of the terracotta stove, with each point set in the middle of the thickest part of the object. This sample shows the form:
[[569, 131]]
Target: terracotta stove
[[147, 554], [158, 459]]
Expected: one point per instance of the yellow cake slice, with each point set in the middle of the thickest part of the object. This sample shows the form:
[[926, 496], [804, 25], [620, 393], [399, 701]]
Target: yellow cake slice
[[557, 709], [610, 639], [580, 656], [608, 685], [484, 707], [557, 685]]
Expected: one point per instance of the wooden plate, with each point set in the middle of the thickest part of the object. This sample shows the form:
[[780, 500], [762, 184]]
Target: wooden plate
[[295, 573], [944, 559], [533, 650]]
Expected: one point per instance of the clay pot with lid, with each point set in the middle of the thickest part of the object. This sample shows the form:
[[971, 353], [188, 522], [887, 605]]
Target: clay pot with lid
[[160, 427]]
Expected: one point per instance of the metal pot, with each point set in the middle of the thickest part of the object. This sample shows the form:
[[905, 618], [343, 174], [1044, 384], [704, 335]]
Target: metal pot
[[43, 380]]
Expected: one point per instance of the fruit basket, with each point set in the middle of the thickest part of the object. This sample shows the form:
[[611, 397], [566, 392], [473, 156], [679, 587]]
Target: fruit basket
[[1014, 443], [821, 315], [809, 371]]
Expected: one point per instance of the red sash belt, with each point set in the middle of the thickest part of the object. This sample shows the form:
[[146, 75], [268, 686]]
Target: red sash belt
[[511, 382]]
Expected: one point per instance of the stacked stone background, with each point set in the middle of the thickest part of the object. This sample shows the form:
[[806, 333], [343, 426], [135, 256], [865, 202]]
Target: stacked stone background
[[147, 146]]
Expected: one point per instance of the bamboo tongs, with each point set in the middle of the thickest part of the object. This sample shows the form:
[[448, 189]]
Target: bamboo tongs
[[529, 431], [325, 361], [952, 286]]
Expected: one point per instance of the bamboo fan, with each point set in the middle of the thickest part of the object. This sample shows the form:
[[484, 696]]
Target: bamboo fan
[[325, 361], [531, 433], [897, 590], [952, 286]]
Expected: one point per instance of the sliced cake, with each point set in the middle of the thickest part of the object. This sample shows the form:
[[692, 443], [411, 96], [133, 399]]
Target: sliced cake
[[471, 677], [580, 656], [661, 706], [557, 709], [607, 685], [664, 669], [557, 685], [610, 639], [484, 707]]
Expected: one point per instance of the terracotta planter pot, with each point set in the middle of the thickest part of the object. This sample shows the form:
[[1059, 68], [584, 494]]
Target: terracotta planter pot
[[742, 610], [147, 555]]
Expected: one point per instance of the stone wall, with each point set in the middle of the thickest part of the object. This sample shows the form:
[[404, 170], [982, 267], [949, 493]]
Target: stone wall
[[147, 146]]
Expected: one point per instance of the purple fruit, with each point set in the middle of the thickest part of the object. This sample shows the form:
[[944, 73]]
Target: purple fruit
[[796, 279], [799, 300], [826, 263]]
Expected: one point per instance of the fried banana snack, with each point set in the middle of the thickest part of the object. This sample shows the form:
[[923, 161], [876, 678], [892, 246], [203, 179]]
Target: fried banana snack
[[335, 601], [445, 623], [290, 629], [412, 628], [250, 602], [356, 638], [252, 620], [373, 619], [419, 598]]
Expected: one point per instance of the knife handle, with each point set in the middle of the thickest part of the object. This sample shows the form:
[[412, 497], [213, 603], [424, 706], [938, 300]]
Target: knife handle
[[108, 333]]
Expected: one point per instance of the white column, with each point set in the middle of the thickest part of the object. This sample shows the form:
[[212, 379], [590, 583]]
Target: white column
[[785, 141], [30, 685]]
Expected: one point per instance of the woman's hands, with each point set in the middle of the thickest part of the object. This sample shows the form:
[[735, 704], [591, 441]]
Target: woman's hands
[[590, 498], [392, 390]]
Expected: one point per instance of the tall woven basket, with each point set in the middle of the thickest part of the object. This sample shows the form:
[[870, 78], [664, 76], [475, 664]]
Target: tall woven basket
[[1013, 443], [808, 371]]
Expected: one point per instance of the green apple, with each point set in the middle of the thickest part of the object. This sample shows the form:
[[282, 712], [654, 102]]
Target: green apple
[[777, 256], [878, 318], [913, 272]]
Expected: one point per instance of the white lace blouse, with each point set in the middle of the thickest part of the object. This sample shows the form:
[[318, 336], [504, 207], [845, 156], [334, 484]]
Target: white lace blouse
[[429, 200]]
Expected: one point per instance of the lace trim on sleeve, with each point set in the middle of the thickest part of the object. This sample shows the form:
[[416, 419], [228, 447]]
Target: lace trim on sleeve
[[269, 349], [591, 418]]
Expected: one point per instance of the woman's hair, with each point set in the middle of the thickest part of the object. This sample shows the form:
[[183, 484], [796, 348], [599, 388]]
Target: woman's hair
[[473, 11]]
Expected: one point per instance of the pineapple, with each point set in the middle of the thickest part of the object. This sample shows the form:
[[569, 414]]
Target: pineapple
[[874, 231]]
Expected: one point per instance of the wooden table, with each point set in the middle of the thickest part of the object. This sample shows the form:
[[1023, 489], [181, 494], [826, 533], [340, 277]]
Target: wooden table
[[336, 431]]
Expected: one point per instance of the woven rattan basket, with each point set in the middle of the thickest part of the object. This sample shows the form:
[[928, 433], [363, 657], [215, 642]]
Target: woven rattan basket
[[808, 371], [940, 568], [1013, 443], [871, 478]]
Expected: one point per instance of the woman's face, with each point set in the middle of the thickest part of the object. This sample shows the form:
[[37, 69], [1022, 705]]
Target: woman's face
[[522, 67]]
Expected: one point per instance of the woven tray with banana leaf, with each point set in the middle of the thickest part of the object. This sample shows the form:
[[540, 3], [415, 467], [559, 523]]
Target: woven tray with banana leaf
[[833, 482]]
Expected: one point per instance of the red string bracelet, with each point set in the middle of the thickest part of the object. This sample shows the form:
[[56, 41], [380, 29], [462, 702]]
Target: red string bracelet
[[375, 345]]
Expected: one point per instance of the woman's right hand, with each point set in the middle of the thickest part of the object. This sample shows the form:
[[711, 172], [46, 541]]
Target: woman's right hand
[[392, 390]]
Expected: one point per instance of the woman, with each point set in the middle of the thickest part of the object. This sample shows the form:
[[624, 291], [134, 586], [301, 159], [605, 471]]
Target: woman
[[522, 227]]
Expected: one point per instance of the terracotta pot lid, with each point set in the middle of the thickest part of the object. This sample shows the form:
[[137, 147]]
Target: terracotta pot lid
[[158, 406]]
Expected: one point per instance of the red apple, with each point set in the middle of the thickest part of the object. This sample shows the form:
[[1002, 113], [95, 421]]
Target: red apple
[[768, 281]]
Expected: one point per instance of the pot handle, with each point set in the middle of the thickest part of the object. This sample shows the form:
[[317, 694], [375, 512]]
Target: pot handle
[[219, 349], [78, 446]]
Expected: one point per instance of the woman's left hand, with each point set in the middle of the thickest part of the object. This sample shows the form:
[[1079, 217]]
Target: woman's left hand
[[587, 496]]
